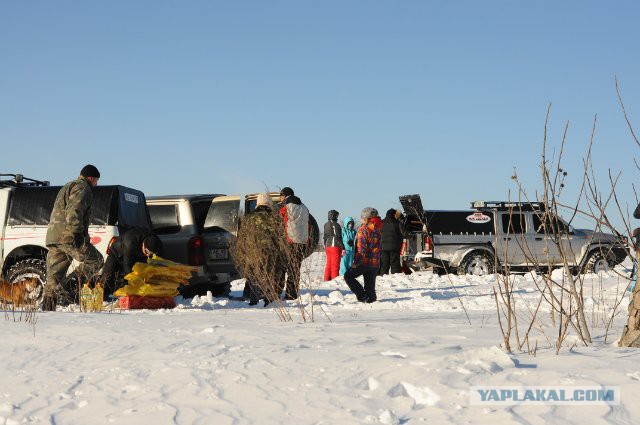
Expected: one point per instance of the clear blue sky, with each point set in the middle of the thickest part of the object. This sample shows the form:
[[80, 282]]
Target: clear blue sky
[[351, 103]]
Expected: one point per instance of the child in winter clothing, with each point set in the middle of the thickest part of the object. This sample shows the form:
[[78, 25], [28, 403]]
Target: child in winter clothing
[[333, 246], [348, 240]]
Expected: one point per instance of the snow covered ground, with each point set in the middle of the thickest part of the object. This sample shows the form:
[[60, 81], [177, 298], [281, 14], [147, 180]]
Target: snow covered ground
[[409, 358]]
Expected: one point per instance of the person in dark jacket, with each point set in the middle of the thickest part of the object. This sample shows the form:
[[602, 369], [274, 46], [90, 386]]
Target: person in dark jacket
[[636, 232], [636, 245], [68, 238], [333, 246], [392, 234], [134, 246]]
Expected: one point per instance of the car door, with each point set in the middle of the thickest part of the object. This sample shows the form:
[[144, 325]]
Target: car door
[[513, 246], [220, 228], [546, 248], [556, 235]]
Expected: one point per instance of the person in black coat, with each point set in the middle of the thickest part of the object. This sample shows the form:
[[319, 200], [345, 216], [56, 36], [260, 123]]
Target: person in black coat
[[392, 235], [636, 231], [135, 246], [333, 246]]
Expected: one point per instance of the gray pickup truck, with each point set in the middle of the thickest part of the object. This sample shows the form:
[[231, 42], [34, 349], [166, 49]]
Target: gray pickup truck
[[499, 235]]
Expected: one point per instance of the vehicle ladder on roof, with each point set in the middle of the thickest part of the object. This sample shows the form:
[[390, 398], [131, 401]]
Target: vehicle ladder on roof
[[18, 180]]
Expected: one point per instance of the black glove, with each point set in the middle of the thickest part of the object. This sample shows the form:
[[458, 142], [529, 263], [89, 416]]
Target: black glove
[[350, 242], [78, 240]]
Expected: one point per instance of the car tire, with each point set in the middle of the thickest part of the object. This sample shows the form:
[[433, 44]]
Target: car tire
[[31, 268], [221, 290], [599, 261], [477, 263]]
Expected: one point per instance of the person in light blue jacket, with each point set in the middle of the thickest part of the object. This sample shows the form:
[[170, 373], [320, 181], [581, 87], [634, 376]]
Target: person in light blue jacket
[[348, 239]]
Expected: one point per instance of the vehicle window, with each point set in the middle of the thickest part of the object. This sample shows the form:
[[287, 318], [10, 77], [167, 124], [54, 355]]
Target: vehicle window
[[513, 224], [549, 226], [200, 210], [250, 205], [223, 216], [164, 219]]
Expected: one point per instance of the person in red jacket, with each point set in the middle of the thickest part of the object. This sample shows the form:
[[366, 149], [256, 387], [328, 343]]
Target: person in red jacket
[[296, 226], [366, 261]]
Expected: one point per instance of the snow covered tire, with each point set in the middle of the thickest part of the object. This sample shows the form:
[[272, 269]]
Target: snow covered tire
[[599, 261], [477, 263], [30, 268]]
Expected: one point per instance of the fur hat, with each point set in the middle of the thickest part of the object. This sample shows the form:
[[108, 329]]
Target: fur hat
[[286, 191], [368, 213], [264, 200], [90, 171]]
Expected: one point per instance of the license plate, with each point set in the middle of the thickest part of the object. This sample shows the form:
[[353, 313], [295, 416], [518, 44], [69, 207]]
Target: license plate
[[218, 254]]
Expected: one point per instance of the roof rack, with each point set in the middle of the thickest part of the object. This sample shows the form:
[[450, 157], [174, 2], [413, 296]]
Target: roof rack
[[18, 180], [508, 205]]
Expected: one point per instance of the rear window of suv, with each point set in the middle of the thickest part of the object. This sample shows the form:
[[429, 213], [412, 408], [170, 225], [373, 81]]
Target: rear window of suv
[[164, 219], [222, 216]]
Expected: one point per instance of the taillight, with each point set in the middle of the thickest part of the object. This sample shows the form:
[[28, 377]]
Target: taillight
[[113, 239], [403, 249], [428, 243], [195, 251]]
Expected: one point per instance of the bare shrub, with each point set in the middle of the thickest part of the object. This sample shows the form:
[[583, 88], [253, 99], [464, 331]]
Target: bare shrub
[[261, 252], [564, 292]]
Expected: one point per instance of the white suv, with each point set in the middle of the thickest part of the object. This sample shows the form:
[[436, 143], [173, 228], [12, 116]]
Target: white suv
[[25, 209]]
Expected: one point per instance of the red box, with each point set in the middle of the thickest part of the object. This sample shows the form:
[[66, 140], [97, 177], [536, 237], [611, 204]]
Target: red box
[[134, 302]]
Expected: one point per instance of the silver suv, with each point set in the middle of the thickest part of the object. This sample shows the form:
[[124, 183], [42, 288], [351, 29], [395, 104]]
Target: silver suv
[[178, 220]]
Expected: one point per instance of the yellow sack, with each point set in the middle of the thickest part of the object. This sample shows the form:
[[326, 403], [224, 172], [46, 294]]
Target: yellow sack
[[157, 291], [156, 278], [132, 288], [162, 280], [145, 289], [157, 261]]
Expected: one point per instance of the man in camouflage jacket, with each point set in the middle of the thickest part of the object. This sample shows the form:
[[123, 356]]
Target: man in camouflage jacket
[[68, 235]]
